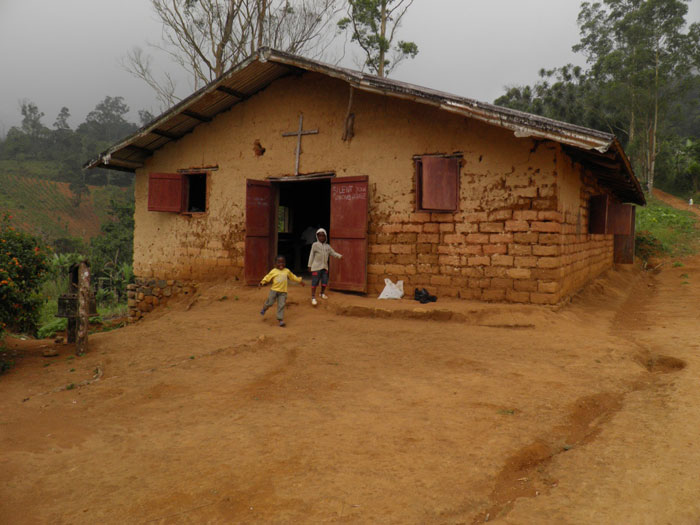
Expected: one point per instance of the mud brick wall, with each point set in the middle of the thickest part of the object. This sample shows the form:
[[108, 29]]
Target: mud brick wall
[[584, 255], [146, 294], [510, 253]]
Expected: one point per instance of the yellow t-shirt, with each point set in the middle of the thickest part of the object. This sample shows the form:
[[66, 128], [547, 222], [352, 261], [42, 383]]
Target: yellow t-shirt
[[279, 279]]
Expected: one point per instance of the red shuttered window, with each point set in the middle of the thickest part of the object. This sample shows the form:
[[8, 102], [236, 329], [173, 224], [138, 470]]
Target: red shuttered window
[[166, 192], [437, 183], [177, 192]]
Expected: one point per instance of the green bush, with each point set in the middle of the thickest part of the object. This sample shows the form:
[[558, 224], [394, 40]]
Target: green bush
[[663, 230], [23, 267]]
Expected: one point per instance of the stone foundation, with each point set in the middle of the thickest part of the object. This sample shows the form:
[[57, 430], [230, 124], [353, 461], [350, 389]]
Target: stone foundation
[[146, 294]]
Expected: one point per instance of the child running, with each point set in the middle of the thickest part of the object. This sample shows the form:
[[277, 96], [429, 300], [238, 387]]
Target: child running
[[279, 276], [318, 264]]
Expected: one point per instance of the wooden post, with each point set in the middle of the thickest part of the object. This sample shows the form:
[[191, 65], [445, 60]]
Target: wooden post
[[81, 345]]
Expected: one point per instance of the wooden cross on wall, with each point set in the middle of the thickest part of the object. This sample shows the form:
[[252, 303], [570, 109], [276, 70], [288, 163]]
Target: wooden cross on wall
[[298, 135]]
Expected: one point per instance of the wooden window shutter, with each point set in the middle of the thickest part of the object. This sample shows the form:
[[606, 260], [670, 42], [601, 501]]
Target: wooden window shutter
[[620, 218], [438, 183], [166, 192]]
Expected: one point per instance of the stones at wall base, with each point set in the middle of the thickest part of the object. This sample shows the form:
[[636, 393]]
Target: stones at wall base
[[146, 294]]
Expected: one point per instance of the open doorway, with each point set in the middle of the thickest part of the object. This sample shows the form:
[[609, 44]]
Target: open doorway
[[303, 207]]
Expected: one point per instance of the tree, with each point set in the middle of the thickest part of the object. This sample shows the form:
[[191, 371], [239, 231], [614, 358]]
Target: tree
[[205, 38], [373, 25], [641, 56], [61, 122]]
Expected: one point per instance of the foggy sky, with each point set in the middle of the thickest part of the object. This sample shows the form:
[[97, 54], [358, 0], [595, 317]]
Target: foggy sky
[[66, 52]]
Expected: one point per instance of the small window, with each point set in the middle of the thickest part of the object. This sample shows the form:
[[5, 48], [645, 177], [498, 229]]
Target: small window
[[177, 192], [598, 214], [196, 192], [437, 183]]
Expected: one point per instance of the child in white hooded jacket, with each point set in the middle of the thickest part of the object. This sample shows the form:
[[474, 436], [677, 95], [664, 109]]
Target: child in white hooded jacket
[[318, 264]]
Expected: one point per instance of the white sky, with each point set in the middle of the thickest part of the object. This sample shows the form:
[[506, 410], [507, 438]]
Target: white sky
[[66, 52]]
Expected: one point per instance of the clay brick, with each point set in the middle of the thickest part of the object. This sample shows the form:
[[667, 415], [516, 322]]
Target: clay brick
[[502, 260], [525, 262], [448, 249], [431, 227], [549, 215], [406, 238], [479, 261], [410, 269], [442, 217], [379, 248], [548, 286], [543, 274], [549, 262], [490, 227], [470, 294], [427, 259], [459, 282], [514, 296], [477, 238], [493, 295], [385, 238], [494, 271], [491, 249], [404, 259], [500, 215], [500, 238], [544, 204], [453, 238], [525, 286], [402, 248], [518, 273], [480, 283], [517, 226], [440, 280], [394, 269], [550, 238], [525, 215], [476, 216], [429, 237], [543, 298], [466, 227], [412, 228], [548, 227], [470, 249], [447, 227], [449, 259], [552, 249], [477, 271], [526, 238], [499, 282], [420, 217], [519, 249]]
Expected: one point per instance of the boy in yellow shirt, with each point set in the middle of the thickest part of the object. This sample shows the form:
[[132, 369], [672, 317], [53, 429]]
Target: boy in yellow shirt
[[279, 276]]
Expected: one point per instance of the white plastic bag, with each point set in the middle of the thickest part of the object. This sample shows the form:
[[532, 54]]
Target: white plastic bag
[[391, 290]]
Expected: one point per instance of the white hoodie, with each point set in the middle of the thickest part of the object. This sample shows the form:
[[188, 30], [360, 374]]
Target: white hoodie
[[318, 258]]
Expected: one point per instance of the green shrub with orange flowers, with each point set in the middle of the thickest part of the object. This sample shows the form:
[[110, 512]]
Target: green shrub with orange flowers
[[23, 266]]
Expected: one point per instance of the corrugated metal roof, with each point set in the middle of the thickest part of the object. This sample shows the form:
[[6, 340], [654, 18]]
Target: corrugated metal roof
[[596, 149]]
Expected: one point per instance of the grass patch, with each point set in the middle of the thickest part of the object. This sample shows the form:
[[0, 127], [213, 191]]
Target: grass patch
[[663, 230]]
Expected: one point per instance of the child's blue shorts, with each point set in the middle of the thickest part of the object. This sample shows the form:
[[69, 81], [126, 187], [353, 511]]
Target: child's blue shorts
[[320, 275]]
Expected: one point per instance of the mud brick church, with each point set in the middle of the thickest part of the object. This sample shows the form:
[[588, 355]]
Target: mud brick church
[[464, 198]]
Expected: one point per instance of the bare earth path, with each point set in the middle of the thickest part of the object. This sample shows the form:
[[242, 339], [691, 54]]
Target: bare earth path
[[513, 415]]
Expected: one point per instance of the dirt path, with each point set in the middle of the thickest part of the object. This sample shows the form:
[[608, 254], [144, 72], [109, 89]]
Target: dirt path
[[512, 414]]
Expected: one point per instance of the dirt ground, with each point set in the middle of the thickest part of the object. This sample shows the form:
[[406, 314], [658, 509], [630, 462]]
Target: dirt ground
[[363, 411]]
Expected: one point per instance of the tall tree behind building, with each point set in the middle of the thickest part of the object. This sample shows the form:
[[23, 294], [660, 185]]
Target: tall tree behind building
[[204, 38], [643, 58], [373, 25]]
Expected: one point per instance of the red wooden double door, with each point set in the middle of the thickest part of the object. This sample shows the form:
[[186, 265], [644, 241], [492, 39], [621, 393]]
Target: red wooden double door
[[348, 231]]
